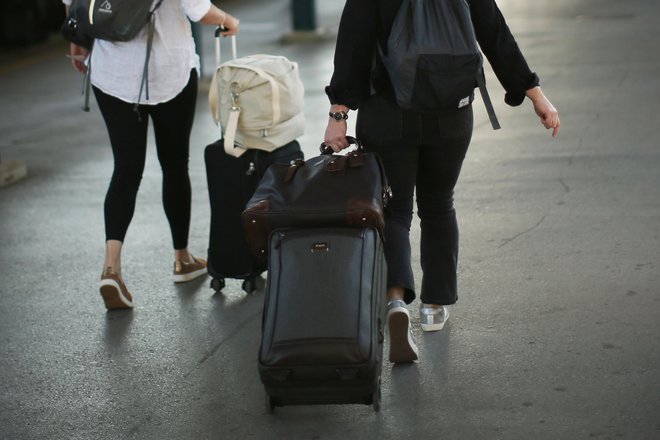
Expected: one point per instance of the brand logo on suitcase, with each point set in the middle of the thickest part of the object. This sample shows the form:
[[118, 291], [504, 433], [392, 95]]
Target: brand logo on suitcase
[[320, 247]]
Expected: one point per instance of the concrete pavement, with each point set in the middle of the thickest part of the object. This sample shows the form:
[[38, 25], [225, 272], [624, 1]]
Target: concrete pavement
[[556, 334]]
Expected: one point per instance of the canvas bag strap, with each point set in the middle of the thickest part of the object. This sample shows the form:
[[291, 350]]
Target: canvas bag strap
[[230, 134]]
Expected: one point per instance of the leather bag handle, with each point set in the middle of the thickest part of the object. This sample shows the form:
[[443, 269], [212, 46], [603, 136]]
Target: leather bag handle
[[326, 149], [387, 190]]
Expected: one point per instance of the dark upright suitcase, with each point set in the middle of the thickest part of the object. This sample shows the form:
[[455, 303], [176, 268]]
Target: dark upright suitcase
[[322, 330], [231, 182]]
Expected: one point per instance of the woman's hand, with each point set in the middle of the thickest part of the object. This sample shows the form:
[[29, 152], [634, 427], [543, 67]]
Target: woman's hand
[[78, 55], [231, 24], [218, 17], [335, 132], [545, 110]]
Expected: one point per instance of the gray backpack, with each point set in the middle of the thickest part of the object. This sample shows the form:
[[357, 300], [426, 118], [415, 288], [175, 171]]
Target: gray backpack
[[433, 59]]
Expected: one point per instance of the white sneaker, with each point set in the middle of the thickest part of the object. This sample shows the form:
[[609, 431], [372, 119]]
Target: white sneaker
[[433, 319], [402, 345]]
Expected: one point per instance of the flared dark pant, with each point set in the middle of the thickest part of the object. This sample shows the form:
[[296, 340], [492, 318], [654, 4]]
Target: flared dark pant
[[423, 155]]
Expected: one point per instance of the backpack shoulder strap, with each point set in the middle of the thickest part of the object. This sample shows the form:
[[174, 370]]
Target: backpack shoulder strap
[[156, 6], [144, 84], [481, 82]]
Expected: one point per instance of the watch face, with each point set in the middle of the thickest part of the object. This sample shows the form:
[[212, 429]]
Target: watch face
[[338, 116]]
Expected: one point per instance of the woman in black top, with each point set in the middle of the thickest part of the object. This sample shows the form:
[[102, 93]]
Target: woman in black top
[[422, 152]]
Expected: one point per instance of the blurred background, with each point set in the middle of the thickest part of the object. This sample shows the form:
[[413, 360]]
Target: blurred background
[[25, 22]]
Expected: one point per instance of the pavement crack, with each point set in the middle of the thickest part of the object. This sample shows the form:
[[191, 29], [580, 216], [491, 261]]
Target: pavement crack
[[217, 346], [509, 240], [571, 158], [624, 77], [133, 431], [136, 427]]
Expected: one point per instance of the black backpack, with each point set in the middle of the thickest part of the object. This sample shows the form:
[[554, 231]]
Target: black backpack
[[433, 59], [112, 20]]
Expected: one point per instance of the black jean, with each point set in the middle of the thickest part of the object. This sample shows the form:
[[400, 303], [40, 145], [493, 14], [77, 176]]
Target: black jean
[[172, 124], [423, 155]]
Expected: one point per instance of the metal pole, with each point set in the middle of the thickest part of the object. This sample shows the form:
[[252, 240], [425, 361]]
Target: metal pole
[[304, 15]]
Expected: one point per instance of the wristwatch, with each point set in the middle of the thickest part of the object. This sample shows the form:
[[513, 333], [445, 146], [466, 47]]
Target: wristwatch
[[339, 116]]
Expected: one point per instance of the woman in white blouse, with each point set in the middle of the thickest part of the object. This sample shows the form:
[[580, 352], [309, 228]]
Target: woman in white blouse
[[116, 75]]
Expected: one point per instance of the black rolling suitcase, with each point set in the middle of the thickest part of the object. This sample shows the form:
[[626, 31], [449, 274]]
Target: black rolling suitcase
[[231, 182], [322, 330]]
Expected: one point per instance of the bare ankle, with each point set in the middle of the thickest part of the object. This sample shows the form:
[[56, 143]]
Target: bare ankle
[[182, 255], [395, 293], [113, 255]]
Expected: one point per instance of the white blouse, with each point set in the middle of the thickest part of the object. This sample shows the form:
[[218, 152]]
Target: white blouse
[[117, 67]]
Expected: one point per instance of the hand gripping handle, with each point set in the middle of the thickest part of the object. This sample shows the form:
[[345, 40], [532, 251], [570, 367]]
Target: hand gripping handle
[[326, 149]]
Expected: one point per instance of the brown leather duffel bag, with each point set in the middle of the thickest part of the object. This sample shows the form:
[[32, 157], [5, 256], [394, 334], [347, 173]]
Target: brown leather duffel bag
[[326, 190]]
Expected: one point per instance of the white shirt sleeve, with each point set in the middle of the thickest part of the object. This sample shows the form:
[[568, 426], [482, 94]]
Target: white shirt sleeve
[[195, 9], [67, 2]]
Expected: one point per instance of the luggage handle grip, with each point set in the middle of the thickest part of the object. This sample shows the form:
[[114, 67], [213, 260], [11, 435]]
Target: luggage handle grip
[[326, 149], [220, 29]]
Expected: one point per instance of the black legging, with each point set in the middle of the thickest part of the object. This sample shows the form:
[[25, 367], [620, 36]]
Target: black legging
[[172, 122]]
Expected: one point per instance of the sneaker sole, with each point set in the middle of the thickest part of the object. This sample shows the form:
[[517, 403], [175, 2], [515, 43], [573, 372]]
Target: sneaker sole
[[112, 296], [402, 348], [432, 327], [182, 278]]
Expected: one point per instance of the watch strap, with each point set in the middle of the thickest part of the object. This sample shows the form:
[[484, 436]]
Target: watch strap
[[339, 116]]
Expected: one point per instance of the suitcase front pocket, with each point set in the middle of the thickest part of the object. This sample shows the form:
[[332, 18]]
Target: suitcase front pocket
[[319, 298]]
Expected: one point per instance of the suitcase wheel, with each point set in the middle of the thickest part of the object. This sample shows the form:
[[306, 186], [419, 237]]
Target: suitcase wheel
[[252, 284], [217, 284]]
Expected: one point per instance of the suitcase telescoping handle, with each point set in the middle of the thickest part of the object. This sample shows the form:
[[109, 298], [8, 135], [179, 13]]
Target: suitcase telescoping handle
[[217, 45]]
